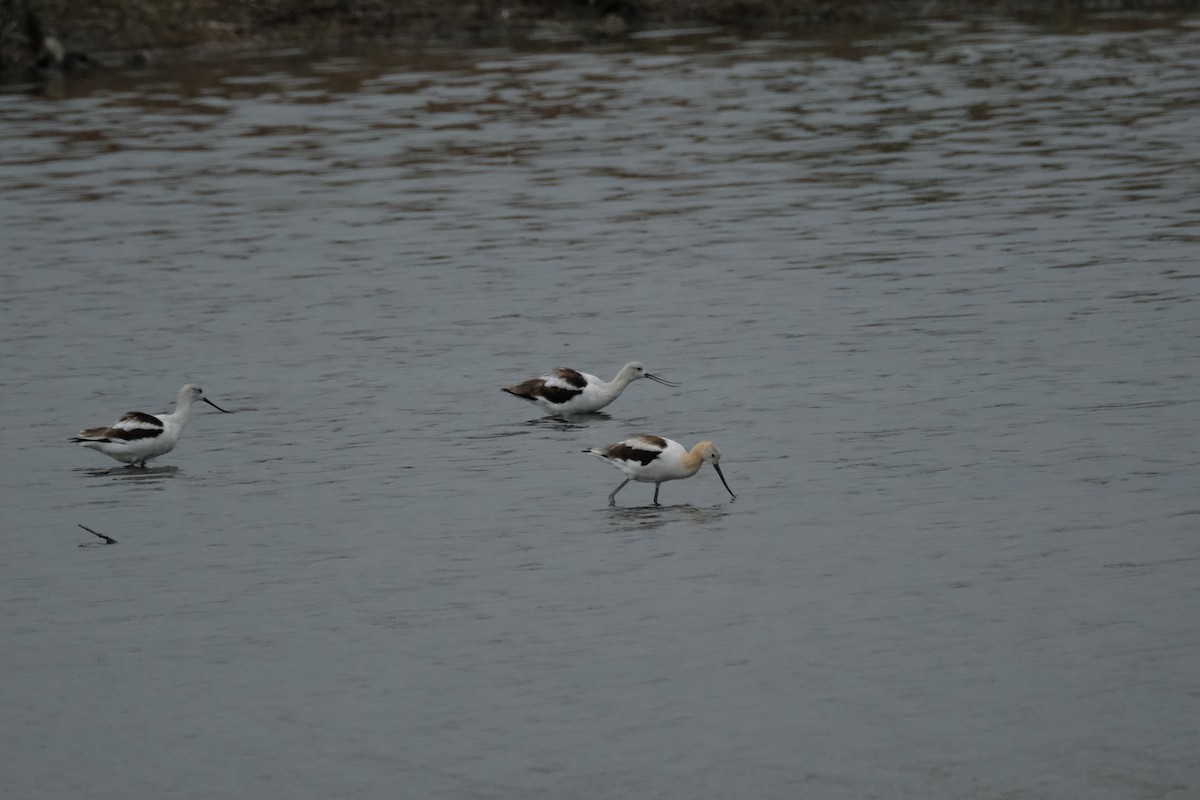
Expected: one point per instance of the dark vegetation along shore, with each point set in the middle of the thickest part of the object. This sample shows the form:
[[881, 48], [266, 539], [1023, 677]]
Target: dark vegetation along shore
[[67, 34]]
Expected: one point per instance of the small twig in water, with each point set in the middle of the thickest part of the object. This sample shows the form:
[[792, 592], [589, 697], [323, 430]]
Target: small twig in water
[[107, 539]]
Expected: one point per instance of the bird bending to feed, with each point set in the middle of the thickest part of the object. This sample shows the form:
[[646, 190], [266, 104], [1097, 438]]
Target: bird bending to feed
[[138, 437], [567, 391], [653, 459]]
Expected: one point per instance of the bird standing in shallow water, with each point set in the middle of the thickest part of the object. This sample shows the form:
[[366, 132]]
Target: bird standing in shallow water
[[653, 459], [566, 391], [138, 437]]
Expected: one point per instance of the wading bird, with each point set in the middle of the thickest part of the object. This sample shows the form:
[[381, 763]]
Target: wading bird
[[138, 437], [566, 391], [653, 459]]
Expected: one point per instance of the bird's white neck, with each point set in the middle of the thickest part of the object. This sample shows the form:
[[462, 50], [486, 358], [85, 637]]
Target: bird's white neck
[[694, 459], [623, 379], [183, 404]]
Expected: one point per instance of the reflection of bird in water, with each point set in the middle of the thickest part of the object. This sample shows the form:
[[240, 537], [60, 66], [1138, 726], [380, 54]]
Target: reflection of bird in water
[[653, 459], [144, 475], [567, 391], [48, 51], [643, 518], [137, 437]]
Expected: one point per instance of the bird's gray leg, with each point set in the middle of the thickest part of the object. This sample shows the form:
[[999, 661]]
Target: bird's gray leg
[[656, 493], [612, 498]]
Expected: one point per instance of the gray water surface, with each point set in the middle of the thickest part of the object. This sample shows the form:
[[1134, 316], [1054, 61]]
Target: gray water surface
[[932, 291]]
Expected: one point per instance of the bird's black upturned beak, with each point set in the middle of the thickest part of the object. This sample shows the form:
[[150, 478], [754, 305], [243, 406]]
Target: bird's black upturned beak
[[663, 381], [218, 408], [721, 475]]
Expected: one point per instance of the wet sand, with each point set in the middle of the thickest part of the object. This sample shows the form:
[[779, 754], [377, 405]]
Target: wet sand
[[62, 34]]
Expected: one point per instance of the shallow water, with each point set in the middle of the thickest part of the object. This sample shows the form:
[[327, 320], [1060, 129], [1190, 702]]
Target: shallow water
[[931, 290]]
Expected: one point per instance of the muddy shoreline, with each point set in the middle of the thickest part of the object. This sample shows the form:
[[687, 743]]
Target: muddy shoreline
[[61, 34]]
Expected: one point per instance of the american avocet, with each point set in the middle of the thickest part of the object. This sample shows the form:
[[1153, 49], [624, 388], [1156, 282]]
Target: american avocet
[[567, 391], [653, 459], [138, 437]]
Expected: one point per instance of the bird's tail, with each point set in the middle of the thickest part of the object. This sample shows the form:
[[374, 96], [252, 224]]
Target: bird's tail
[[92, 435], [515, 393]]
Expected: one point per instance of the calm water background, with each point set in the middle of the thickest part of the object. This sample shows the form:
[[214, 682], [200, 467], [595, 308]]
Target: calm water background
[[931, 290]]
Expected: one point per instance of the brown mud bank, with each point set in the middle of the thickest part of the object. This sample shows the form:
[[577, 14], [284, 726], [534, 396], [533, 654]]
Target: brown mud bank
[[63, 33]]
